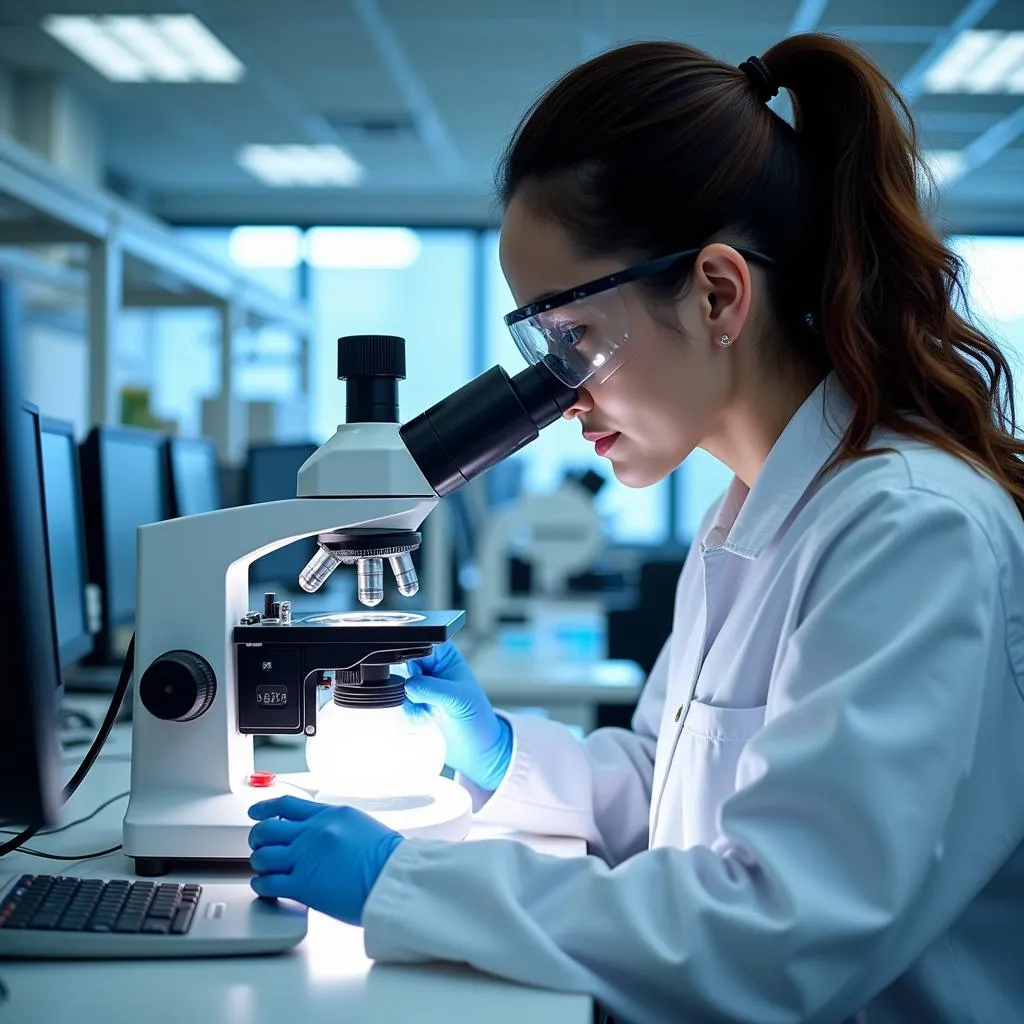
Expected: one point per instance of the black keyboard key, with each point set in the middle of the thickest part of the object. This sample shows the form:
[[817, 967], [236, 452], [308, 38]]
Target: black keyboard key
[[128, 924], [72, 924], [45, 922], [183, 918], [156, 927]]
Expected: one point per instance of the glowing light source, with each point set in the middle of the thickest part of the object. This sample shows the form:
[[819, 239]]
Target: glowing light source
[[980, 60], [296, 165], [141, 48], [374, 753]]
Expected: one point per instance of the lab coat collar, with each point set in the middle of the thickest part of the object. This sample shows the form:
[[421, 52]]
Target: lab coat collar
[[748, 520]]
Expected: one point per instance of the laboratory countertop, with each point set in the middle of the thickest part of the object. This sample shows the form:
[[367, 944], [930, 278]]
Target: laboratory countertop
[[327, 977], [529, 677]]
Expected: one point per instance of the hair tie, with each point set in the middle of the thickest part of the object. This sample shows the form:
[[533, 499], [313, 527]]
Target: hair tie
[[760, 74]]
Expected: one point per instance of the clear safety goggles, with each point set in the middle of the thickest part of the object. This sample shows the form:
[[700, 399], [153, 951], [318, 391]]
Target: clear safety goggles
[[582, 334]]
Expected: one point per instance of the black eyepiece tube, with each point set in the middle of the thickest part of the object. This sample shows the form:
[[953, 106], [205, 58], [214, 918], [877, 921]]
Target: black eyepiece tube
[[482, 423]]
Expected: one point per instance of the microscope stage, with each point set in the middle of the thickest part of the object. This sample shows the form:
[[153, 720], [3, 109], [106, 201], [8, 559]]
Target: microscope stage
[[357, 627]]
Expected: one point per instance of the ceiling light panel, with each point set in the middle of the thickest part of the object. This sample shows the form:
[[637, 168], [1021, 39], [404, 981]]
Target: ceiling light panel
[[147, 48], [979, 61], [292, 166]]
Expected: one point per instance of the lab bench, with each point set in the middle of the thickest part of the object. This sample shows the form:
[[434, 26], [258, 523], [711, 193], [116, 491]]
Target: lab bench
[[326, 978]]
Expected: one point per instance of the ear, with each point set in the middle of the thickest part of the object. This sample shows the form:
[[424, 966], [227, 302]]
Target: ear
[[721, 279]]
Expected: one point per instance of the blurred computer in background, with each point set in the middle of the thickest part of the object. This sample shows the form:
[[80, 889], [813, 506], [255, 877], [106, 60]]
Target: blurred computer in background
[[30, 686], [194, 476], [124, 486], [65, 529]]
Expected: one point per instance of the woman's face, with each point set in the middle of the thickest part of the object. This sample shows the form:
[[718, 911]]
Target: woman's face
[[671, 388]]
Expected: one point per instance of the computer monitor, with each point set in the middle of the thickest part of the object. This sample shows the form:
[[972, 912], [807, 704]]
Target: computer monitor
[[271, 474], [124, 486], [29, 683], [65, 528], [195, 483]]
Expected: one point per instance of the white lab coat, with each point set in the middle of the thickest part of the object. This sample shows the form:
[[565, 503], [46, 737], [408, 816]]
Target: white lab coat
[[819, 811]]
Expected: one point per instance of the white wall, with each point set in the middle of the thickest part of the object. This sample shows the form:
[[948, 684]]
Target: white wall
[[55, 365]]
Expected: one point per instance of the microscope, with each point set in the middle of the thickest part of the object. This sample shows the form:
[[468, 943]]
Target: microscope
[[211, 673]]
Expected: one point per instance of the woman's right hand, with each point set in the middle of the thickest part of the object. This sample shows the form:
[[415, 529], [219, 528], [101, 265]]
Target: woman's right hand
[[479, 743]]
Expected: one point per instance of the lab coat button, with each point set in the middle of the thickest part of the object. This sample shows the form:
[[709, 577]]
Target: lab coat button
[[678, 714]]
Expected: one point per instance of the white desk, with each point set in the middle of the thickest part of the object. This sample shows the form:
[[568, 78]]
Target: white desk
[[326, 978], [570, 690]]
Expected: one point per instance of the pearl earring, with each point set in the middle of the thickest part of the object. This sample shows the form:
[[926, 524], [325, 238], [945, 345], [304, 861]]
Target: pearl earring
[[725, 341]]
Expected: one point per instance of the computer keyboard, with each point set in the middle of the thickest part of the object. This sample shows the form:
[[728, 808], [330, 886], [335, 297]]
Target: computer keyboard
[[66, 916], [66, 904]]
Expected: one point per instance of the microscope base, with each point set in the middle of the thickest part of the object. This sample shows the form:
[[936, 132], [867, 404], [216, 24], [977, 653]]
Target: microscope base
[[168, 830]]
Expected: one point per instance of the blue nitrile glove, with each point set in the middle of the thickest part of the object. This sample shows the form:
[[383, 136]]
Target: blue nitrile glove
[[479, 742], [325, 857]]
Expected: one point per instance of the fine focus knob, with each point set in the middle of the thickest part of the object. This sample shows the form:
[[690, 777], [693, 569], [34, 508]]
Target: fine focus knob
[[178, 686], [371, 355]]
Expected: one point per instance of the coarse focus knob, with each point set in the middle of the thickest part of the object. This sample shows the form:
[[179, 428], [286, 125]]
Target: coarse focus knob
[[179, 686], [371, 355]]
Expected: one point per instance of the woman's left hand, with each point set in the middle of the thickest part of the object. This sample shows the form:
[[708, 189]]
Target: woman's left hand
[[325, 857]]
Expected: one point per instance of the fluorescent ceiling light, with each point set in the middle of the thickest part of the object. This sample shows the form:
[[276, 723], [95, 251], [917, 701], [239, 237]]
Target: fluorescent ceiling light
[[979, 61], [146, 48], [252, 246], [294, 165], [945, 165], [362, 248]]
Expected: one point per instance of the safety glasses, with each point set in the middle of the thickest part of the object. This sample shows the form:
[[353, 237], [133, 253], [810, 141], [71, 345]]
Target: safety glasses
[[580, 334]]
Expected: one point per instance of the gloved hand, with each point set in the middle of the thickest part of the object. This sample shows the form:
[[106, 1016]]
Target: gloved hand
[[325, 857], [479, 742]]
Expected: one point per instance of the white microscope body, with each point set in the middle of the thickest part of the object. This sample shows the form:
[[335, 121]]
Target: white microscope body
[[210, 673], [190, 788]]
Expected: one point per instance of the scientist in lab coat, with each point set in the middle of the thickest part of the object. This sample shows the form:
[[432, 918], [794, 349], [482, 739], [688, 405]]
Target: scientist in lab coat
[[818, 813]]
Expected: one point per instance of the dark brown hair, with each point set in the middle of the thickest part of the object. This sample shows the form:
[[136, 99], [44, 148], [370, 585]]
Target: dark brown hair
[[656, 147]]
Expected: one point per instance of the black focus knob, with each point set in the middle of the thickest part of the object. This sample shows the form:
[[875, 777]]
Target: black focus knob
[[178, 686], [371, 365]]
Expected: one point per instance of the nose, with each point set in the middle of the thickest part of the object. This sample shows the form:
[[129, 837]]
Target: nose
[[583, 404]]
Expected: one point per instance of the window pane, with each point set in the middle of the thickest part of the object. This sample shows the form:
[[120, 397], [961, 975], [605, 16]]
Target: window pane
[[995, 293], [631, 515], [428, 301]]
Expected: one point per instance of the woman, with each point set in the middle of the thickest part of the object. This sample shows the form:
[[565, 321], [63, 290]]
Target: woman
[[818, 811]]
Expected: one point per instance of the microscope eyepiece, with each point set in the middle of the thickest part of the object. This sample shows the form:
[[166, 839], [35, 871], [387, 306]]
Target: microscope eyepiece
[[482, 423], [371, 365]]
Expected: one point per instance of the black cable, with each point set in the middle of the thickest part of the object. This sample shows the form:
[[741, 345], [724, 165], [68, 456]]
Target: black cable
[[64, 856], [116, 700], [79, 821]]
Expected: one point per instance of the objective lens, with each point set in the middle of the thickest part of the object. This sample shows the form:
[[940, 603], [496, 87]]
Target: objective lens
[[317, 569], [370, 581], [405, 574]]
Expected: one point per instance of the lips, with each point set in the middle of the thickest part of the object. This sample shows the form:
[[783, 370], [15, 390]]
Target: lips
[[603, 440]]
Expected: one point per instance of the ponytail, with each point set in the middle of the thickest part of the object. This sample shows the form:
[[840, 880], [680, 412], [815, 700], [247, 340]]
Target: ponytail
[[890, 289]]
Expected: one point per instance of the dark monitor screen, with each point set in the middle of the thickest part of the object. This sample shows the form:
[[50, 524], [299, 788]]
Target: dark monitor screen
[[30, 682], [271, 474], [66, 532], [195, 484], [124, 486]]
